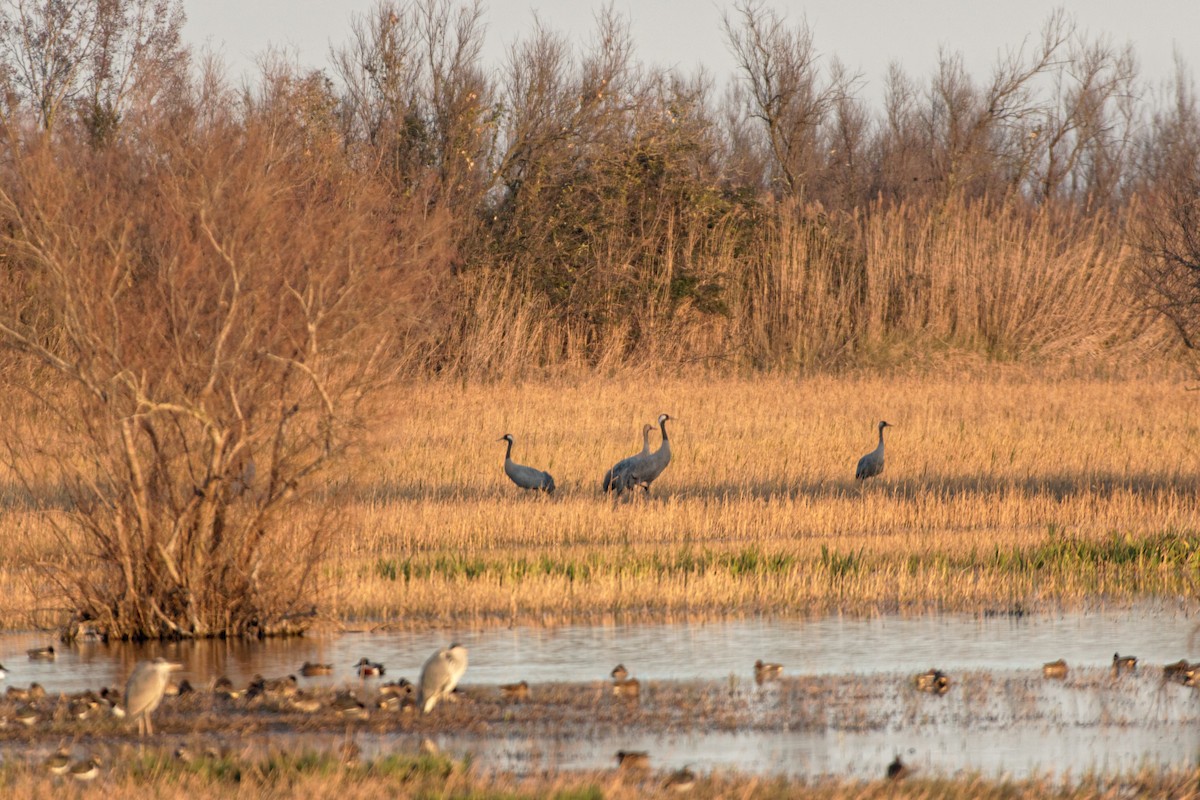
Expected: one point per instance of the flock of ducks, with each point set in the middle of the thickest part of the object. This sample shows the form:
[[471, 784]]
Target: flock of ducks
[[642, 468], [935, 681], [150, 682]]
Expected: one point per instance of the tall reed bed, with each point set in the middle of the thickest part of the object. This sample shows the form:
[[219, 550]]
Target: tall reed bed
[[889, 284]]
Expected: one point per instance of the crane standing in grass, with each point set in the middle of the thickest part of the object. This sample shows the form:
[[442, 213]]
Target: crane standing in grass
[[523, 476], [643, 470], [871, 464], [618, 471]]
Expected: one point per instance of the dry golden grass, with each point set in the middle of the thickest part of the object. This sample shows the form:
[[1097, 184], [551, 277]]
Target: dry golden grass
[[1000, 490]]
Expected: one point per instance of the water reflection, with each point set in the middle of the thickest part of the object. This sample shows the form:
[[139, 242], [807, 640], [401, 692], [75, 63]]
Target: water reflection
[[706, 651]]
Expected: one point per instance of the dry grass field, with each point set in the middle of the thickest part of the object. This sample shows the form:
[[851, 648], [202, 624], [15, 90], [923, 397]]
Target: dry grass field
[[1002, 490]]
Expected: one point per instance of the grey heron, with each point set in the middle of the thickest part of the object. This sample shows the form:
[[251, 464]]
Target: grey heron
[[441, 674], [145, 689]]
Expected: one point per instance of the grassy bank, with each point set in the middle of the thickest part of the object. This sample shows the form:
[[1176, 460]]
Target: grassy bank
[[1000, 490], [159, 775]]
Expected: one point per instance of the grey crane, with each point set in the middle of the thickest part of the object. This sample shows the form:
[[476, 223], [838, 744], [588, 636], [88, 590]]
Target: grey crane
[[646, 471], [523, 476], [615, 477], [871, 464], [440, 675], [145, 689]]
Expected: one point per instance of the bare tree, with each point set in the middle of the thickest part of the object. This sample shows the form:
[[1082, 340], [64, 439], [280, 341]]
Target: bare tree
[[784, 90], [209, 326], [1081, 145], [1168, 230], [45, 47], [95, 53], [979, 135], [416, 95], [138, 52]]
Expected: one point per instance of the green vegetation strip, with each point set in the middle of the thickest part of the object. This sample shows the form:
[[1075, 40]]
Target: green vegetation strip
[[1058, 554]]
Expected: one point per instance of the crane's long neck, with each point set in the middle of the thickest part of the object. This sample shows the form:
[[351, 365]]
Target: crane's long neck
[[662, 426], [646, 440], [880, 437], [508, 452]]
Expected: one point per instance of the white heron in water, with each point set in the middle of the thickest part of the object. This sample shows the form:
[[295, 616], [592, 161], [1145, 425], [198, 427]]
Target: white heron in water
[[871, 464], [441, 674], [145, 689], [523, 476]]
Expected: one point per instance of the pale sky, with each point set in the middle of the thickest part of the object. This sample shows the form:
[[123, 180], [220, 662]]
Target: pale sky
[[865, 34]]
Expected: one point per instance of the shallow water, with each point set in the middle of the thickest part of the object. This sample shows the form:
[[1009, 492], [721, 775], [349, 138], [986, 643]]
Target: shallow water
[[1139, 723], [688, 651]]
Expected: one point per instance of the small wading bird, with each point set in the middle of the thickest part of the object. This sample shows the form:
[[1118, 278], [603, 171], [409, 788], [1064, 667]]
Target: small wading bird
[[871, 464], [642, 470], [623, 466], [523, 476], [1055, 669], [86, 770], [58, 763], [681, 780], [144, 691], [441, 674]]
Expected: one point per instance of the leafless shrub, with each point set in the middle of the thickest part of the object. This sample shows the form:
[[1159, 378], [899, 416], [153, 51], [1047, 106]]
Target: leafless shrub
[[215, 318]]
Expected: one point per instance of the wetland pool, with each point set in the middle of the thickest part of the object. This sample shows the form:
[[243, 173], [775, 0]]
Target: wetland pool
[[999, 719]]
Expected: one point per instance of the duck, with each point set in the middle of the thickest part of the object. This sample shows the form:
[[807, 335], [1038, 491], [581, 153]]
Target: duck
[[34, 692], [1179, 671], [1123, 664], [766, 671], [41, 653], [347, 705], [310, 670], [1055, 669], [633, 759], [934, 681], [515, 691], [368, 669]]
